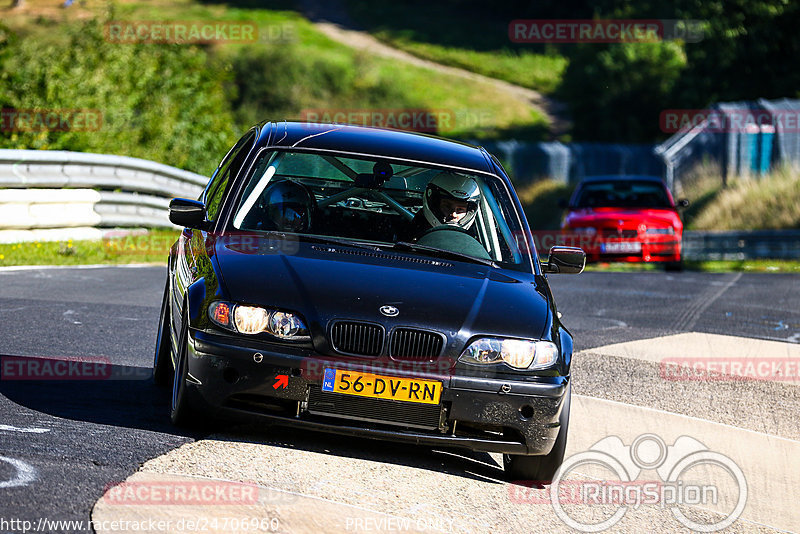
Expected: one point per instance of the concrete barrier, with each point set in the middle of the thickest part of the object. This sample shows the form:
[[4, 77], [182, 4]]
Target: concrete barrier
[[742, 245]]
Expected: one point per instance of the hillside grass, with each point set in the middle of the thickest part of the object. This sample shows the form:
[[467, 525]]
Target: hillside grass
[[771, 202], [243, 84], [540, 72], [463, 36]]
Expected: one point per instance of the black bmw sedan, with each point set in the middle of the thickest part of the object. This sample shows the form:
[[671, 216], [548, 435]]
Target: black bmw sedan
[[372, 283]]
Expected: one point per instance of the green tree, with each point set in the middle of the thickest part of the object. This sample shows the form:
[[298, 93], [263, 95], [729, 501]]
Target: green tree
[[616, 92]]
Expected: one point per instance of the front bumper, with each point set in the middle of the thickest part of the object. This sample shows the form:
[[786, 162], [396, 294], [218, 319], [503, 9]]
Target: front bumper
[[502, 415], [667, 249]]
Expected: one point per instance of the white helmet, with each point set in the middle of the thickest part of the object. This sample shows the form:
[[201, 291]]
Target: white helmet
[[453, 186]]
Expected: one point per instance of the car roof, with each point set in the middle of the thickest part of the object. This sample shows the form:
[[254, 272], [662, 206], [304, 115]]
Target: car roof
[[391, 144]]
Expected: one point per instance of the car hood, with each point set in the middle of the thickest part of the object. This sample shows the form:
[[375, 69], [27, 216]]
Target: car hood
[[612, 216], [328, 282]]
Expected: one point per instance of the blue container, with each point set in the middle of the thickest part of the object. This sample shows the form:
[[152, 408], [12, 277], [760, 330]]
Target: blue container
[[767, 135]]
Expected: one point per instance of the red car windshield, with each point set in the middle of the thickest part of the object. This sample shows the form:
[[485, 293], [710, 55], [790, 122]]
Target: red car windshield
[[623, 194]]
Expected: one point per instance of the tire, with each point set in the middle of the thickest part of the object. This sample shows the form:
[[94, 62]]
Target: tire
[[182, 412], [162, 359], [674, 266], [541, 469]]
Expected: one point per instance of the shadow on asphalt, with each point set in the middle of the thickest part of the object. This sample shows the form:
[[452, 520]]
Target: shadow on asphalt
[[105, 394], [125, 396], [456, 462]]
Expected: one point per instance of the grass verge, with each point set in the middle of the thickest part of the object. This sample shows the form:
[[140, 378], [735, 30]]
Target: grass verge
[[720, 266], [152, 247]]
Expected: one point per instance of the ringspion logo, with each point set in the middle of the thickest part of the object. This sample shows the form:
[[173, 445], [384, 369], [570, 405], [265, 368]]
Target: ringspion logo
[[594, 489]]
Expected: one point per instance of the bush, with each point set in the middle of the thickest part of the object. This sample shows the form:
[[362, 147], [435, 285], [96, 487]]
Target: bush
[[158, 102], [618, 93], [540, 202], [273, 82]]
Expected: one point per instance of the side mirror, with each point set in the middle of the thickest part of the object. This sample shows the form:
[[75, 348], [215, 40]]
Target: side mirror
[[565, 260], [188, 213], [683, 203]]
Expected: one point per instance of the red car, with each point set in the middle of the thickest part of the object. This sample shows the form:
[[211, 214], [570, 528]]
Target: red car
[[625, 219]]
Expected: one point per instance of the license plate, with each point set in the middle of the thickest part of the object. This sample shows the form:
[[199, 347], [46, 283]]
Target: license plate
[[382, 387], [621, 246]]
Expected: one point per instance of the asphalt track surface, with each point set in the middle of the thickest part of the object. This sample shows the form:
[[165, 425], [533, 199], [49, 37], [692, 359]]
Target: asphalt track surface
[[75, 439]]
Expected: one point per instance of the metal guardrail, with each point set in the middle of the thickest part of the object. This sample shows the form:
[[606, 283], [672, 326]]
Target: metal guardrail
[[742, 245], [45, 191]]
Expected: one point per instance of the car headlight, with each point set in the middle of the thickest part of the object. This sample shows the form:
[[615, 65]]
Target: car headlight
[[250, 319], [661, 231], [285, 325], [253, 320], [517, 353]]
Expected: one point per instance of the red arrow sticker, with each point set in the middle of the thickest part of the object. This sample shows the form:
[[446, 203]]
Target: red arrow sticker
[[281, 381]]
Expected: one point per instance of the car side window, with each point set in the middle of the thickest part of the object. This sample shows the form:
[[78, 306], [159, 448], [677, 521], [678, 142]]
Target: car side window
[[229, 168]]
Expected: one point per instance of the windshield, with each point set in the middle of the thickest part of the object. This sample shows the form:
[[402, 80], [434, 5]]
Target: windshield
[[360, 200], [623, 194]]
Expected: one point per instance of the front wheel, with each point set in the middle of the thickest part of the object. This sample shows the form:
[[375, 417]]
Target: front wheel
[[182, 412], [162, 359], [541, 469]]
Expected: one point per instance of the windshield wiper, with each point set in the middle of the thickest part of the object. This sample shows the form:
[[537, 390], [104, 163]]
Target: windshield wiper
[[442, 253], [336, 241]]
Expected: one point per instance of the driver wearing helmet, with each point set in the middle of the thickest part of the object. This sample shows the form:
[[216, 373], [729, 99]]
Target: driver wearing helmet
[[451, 199], [288, 206]]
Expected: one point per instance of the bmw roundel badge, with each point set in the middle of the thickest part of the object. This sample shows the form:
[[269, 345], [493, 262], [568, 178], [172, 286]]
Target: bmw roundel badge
[[389, 311]]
